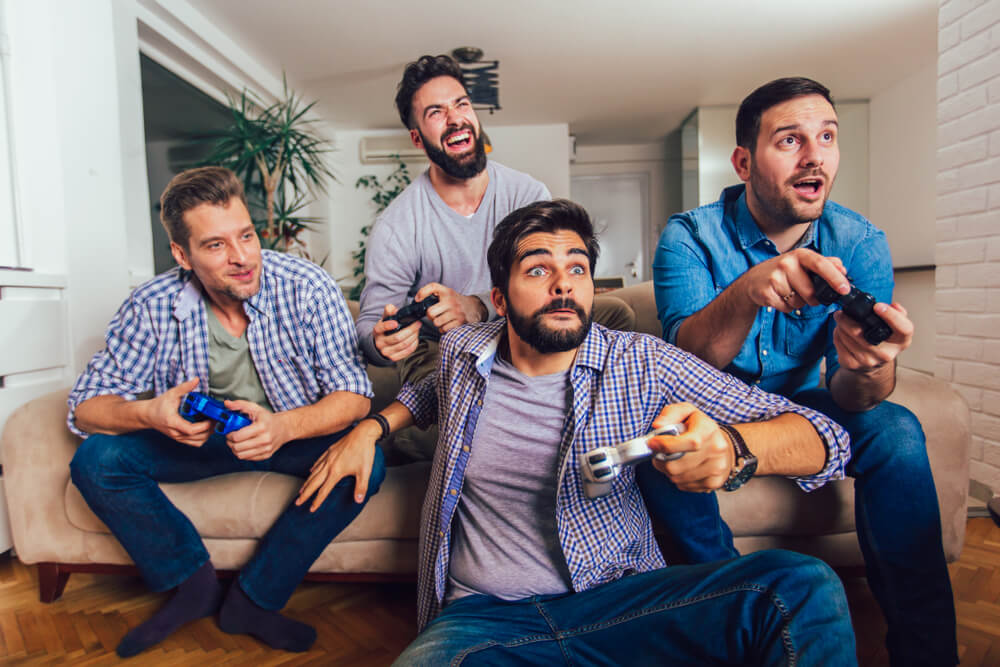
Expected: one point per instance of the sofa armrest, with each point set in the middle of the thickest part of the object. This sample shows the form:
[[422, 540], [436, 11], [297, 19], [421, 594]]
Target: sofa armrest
[[947, 423], [37, 449]]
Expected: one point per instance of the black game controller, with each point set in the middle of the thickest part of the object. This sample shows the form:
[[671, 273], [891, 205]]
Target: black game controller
[[857, 305], [411, 312]]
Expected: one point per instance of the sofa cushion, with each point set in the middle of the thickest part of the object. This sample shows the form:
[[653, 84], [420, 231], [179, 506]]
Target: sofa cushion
[[246, 504]]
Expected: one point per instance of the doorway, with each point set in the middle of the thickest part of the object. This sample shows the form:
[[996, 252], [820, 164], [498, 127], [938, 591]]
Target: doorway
[[619, 207]]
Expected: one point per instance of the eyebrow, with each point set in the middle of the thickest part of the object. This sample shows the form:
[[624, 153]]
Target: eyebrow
[[219, 237], [784, 128], [546, 251]]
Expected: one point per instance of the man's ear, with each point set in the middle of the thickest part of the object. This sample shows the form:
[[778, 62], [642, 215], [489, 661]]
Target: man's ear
[[499, 304], [416, 139], [180, 256], [741, 162]]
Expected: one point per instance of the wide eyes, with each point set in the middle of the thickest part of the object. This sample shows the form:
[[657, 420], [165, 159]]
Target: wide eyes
[[540, 271]]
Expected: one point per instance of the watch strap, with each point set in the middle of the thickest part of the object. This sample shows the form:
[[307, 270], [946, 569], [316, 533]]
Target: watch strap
[[745, 463]]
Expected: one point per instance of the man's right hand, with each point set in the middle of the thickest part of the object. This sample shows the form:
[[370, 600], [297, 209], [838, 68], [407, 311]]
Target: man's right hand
[[163, 414], [783, 282], [398, 345]]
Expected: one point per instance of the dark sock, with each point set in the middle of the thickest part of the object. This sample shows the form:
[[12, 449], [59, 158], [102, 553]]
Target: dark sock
[[197, 596], [241, 615]]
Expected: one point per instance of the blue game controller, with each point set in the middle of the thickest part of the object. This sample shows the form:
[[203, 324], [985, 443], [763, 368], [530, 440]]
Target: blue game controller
[[196, 406]]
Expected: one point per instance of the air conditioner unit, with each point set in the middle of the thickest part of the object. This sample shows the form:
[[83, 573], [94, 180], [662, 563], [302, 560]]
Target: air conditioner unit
[[389, 148]]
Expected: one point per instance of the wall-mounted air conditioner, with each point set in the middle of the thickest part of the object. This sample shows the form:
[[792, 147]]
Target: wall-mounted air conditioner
[[386, 148]]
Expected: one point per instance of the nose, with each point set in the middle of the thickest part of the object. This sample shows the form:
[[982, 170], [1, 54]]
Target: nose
[[812, 156], [237, 253], [563, 284], [452, 115]]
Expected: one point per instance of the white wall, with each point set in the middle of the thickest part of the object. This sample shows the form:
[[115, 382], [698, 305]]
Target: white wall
[[968, 224], [903, 127], [539, 150]]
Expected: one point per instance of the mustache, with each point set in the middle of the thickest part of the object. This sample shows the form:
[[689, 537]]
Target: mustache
[[562, 304]]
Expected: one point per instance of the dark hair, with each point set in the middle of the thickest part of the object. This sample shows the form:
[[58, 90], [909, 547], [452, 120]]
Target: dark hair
[[769, 95], [192, 188], [418, 73], [542, 216]]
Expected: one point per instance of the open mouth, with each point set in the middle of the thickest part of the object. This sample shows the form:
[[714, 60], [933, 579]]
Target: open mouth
[[809, 187], [459, 141]]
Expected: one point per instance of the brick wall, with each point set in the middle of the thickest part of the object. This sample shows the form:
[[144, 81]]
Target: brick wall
[[968, 222]]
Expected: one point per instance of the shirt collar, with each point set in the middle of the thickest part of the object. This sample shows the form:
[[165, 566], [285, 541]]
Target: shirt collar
[[747, 231], [485, 343], [187, 299]]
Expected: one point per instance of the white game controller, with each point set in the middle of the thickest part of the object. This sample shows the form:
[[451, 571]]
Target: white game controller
[[601, 465]]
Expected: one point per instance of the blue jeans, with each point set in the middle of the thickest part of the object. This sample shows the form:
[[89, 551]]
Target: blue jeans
[[898, 524], [118, 476], [768, 608]]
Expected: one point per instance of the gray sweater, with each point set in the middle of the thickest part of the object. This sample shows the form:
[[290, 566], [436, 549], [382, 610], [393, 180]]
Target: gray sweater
[[419, 239]]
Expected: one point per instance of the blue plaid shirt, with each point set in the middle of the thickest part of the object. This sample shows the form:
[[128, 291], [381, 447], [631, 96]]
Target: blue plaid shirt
[[301, 338], [620, 383]]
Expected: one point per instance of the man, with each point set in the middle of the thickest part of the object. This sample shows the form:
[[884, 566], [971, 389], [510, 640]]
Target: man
[[270, 331], [733, 286], [517, 565], [432, 238]]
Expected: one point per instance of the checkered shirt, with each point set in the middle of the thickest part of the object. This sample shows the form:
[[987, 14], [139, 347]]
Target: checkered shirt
[[620, 383], [301, 338]]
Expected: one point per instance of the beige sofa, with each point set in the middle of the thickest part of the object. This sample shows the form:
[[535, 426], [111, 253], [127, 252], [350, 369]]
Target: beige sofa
[[53, 527]]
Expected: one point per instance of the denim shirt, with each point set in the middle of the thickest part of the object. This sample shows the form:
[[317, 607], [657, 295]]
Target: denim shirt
[[620, 382], [702, 251]]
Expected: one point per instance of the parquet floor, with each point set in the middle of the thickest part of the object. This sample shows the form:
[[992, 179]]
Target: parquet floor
[[369, 624]]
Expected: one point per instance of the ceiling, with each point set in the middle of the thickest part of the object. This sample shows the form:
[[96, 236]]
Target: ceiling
[[616, 72]]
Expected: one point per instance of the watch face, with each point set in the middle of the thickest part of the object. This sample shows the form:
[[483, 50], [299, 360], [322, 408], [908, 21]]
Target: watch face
[[743, 475]]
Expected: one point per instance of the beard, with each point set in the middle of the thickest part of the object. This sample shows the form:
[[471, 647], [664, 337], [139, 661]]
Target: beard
[[467, 165], [545, 340], [782, 208]]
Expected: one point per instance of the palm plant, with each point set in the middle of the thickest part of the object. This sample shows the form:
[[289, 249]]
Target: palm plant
[[280, 159]]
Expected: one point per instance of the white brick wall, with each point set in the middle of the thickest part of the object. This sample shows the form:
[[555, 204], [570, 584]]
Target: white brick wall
[[967, 350]]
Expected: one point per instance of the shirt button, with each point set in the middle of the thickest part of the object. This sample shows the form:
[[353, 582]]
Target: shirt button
[[479, 404], [465, 448], [441, 533], [756, 381], [763, 353], [453, 492], [798, 312], [769, 309]]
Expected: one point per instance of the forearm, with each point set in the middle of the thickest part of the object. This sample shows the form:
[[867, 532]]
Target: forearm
[[111, 414], [332, 413], [858, 391], [717, 332], [787, 445]]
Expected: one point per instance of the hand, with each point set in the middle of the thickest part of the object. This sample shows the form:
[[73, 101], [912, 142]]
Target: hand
[[353, 454], [163, 414], [452, 309], [783, 283], [400, 344], [709, 456], [261, 439], [858, 355]]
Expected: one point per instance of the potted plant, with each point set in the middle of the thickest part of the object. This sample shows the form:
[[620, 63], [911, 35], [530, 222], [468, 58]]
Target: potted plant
[[277, 154]]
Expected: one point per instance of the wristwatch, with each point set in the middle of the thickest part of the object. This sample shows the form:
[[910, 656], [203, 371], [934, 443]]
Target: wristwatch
[[745, 464]]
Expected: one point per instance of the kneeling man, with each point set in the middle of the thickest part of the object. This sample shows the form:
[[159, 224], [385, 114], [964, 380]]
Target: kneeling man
[[273, 333], [517, 564]]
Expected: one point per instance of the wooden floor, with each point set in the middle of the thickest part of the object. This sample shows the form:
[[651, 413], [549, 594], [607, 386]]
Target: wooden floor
[[369, 624]]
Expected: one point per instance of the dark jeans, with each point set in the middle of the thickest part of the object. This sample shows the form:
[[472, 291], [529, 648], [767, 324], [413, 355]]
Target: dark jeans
[[768, 608], [898, 524], [118, 476]]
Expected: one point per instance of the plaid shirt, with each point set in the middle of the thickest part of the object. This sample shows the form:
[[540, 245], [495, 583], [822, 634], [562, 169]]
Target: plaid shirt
[[620, 382], [301, 338]]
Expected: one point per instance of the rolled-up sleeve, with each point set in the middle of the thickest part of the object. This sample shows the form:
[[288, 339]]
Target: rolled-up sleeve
[[339, 364], [421, 400], [728, 400], [124, 367]]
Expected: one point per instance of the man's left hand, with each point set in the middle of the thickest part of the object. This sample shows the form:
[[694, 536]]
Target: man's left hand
[[260, 440], [858, 355], [708, 454]]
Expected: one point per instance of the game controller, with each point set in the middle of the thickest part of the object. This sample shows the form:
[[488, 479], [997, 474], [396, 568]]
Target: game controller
[[411, 312], [601, 465], [857, 305], [196, 406]]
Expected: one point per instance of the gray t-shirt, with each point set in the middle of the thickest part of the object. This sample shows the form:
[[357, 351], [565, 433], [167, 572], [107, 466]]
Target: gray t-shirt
[[419, 239], [504, 537], [231, 371]]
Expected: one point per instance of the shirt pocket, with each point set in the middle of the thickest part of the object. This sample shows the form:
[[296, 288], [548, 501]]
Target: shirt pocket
[[805, 331]]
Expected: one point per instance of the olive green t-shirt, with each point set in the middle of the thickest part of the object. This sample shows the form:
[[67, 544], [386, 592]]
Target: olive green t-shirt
[[231, 371]]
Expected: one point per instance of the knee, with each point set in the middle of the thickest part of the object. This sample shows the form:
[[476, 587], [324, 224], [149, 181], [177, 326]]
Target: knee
[[798, 575], [895, 437], [378, 472], [96, 458]]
